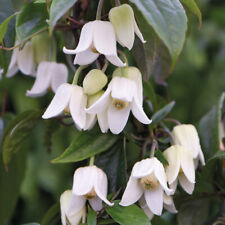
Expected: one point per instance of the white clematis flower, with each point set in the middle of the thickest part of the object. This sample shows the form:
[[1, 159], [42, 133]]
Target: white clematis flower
[[70, 99], [123, 21], [147, 178], [73, 217], [49, 75], [122, 96], [187, 136], [97, 37], [89, 183], [181, 167]]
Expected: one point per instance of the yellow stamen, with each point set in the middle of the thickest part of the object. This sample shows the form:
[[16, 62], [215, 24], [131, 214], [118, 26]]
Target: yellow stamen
[[93, 49], [91, 194], [149, 182], [119, 104]]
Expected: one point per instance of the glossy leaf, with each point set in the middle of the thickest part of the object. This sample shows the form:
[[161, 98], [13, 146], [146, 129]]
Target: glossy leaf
[[162, 113], [169, 21], [31, 20], [17, 131], [91, 217], [52, 216], [57, 10], [86, 144], [129, 215]]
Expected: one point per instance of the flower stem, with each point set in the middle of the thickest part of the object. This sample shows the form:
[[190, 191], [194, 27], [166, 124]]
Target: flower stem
[[117, 2], [77, 74], [99, 9], [152, 151], [105, 66], [124, 56], [92, 160]]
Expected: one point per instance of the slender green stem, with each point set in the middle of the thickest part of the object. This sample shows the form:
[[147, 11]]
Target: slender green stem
[[92, 160], [99, 10], [105, 66], [77, 74], [152, 151], [117, 2], [124, 56], [48, 5]]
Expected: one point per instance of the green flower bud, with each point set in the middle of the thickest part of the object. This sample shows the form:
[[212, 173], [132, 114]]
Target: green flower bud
[[130, 72], [94, 81], [93, 98]]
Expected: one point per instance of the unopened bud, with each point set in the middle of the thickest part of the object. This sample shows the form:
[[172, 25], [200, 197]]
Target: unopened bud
[[93, 98]]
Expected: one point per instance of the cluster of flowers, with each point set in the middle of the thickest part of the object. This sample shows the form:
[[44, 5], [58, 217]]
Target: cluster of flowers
[[147, 183]]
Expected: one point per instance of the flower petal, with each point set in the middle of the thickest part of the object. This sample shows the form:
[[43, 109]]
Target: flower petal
[[42, 82], [117, 119], [115, 60], [122, 18], [84, 180], [76, 203], [77, 106], [59, 102], [154, 200], [201, 157], [64, 202], [90, 121], [143, 168], [173, 186], [138, 32], [101, 186], [138, 112], [96, 203], [13, 68], [85, 57], [145, 208], [103, 121], [186, 184], [132, 193], [59, 74], [168, 204]]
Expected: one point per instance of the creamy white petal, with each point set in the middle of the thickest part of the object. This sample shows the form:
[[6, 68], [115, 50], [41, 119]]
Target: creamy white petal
[[96, 203], [59, 74], [76, 203], [59, 102], [117, 119], [101, 186], [173, 186], [42, 81], [85, 57], [103, 121], [132, 193], [138, 32], [78, 217], [123, 88], [77, 106], [64, 202], [201, 157], [168, 204], [173, 157], [154, 200], [138, 112], [186, 184], [13, 68], [84, 180], [25, 59], [115, 60], [90, 121], [145, 208], [143, 168]]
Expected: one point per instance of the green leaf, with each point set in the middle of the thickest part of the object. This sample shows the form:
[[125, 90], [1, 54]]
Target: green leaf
[[31, 224], [191, 4], [4, 26], [57, 10], [129, 215], [209, 130], [31, 20], [161, 158], [162, 113], [92, 217], [86, 144], [52, 217], [169, 21], [17, 131], [149, 92]]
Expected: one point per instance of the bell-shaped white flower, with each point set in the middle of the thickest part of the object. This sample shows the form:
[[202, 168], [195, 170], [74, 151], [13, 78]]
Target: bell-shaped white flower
[[70, 99], [97, 37], [187, 136], [49, 75], [75, 217], [122, 96], [89, 183], [123, 21], [147, 178], [181, 167]]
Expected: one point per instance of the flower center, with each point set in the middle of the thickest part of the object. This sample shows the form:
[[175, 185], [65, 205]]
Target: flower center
[[93, 49], [181, 170], [67, 110], [90, 195], [149, 182], [119, 104]]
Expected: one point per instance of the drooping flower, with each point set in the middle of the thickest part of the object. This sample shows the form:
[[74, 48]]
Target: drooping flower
[[74, 217], [49, 75], [148, 179], [186, 135], [89, 183], [181, 167], [97, 37], [70, 99], [124, 94], [123, 21]]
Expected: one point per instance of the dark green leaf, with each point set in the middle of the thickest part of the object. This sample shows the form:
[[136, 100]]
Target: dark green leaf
[[169, 21], [129, 215], [209, 130], [52, 217], [161, 158], [18, 130], [31, 224], [92, 217], [162, 113], [86, 144], [31, 20], [58, 9], [150, 93]]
